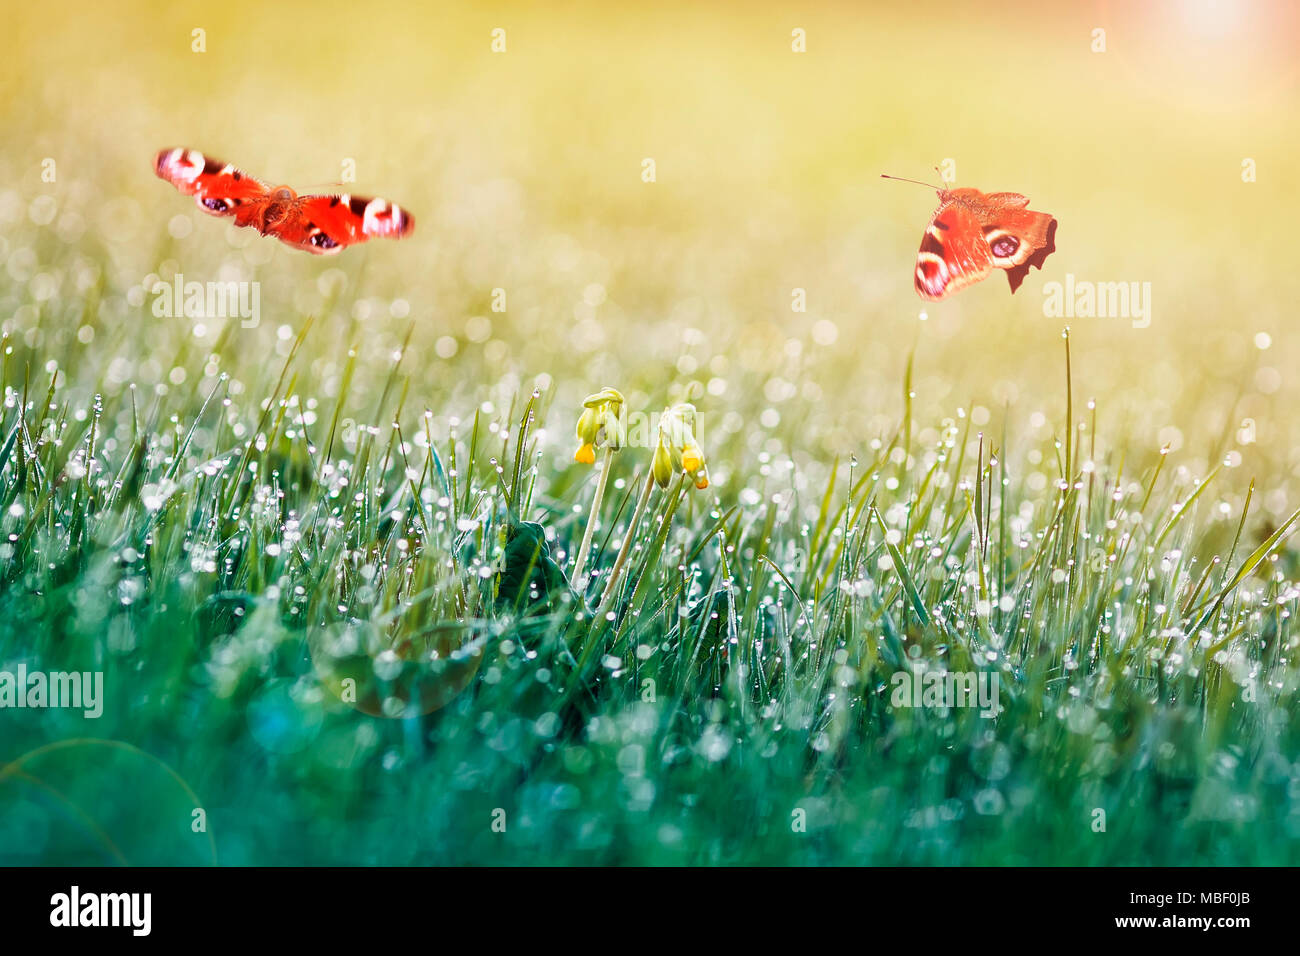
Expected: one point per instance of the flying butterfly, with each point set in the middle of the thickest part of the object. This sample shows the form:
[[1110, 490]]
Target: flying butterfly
[[972, 233], [323, 225]]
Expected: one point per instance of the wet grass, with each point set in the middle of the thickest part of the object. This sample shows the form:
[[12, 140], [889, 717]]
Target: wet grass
[[327, 563], [352, 635]]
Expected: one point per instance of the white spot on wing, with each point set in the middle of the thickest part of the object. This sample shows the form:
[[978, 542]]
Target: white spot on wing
[[376, 221], [188, 165], [937, 260]]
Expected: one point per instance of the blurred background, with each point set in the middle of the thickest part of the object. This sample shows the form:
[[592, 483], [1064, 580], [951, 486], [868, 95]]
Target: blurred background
[[524, 169], [1162, 135]]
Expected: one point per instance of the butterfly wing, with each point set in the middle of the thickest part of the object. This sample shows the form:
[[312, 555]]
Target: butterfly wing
[[974, 233], [1000, 200], [953, 253], [1018, 237], [219, 188], [326, 224]]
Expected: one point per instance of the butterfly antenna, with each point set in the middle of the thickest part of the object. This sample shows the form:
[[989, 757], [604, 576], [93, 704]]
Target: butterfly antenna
[[918, 182]]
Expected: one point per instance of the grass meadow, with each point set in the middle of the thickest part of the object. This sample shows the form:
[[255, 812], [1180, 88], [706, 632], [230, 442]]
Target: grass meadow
[[326, 562]]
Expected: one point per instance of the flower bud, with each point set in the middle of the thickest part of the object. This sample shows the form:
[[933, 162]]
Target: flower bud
[[661, 465], [678, 449], [600, 423]]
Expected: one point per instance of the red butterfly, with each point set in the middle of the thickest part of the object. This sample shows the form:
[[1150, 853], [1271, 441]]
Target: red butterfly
[[320, 224], [972, 233]]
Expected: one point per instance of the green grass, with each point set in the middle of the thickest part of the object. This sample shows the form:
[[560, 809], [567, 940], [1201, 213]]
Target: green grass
[[228, 524], [229, 562]]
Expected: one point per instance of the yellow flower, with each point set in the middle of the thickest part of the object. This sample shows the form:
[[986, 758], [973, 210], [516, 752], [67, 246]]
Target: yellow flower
[[678, 450], [600, 423], [692, 458]]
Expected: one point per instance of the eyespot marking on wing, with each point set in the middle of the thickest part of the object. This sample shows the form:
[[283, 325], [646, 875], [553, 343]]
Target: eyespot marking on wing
[[180, 166], [382, 218]]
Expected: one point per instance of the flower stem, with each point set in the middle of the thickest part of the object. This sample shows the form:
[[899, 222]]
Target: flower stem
[[626, 549], [661, 537], [580, 565]]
